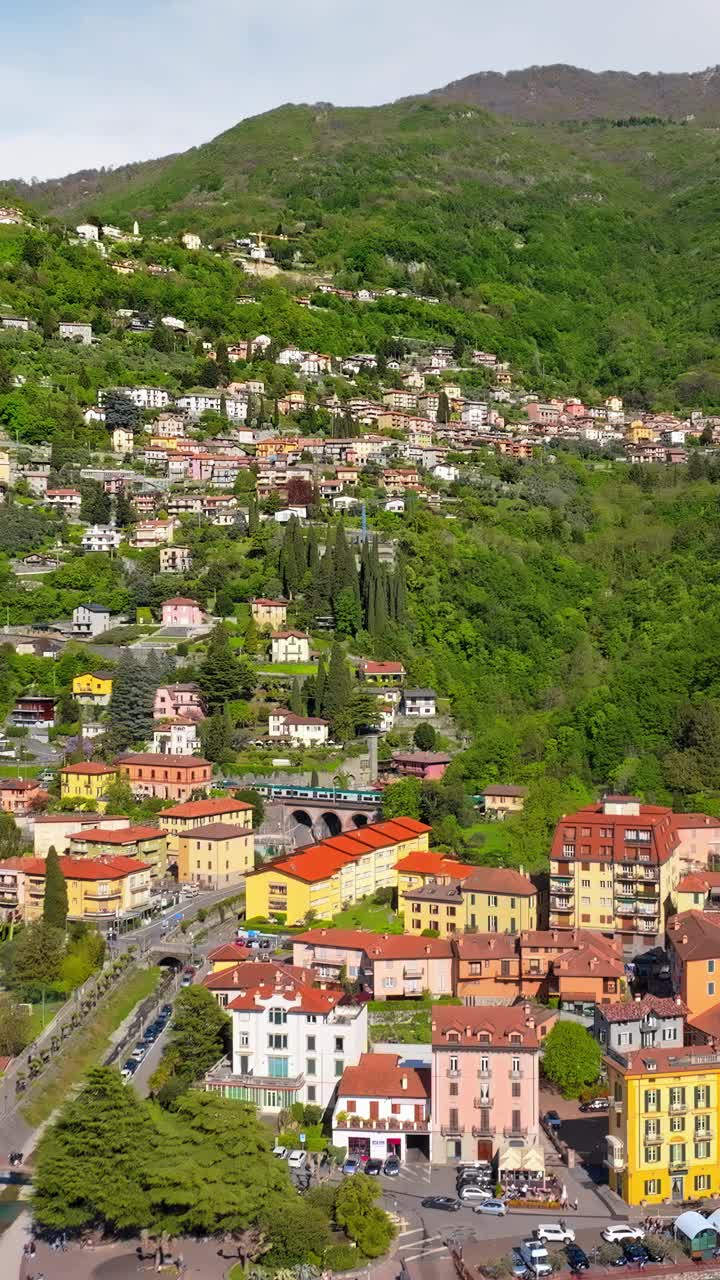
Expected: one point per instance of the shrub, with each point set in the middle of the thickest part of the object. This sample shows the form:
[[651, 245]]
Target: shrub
[[342, 1257]]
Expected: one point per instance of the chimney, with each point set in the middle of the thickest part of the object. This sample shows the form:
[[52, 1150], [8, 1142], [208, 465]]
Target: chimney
[[236, 977], [427, 949], [684, 939], [521, 869], [678, 1000], [403, 1081], [638, 999]]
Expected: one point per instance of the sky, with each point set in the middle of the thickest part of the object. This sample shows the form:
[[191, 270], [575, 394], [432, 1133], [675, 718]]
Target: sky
[[92, 85]]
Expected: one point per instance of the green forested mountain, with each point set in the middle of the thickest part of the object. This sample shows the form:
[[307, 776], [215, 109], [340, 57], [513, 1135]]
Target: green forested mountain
[[585, 253]]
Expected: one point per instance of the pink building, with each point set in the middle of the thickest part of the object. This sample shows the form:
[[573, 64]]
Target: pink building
[[421, 764], [390, 966], [20, 796], [180, 611], [383, 1109], [698, 838], [484, 1082], [173, 700]]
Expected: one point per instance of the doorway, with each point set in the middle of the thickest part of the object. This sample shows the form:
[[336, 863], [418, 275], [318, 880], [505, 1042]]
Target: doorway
[[677, 1187]]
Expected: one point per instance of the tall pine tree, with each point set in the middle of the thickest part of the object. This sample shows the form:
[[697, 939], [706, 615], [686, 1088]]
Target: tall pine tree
[[130, 713], [55, 901]]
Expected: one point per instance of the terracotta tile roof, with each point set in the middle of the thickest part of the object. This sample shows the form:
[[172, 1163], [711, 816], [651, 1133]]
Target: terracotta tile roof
[[634, 1010], [651, 1061], [502, 880], [250, 972], [90, 818], [318, 862], [92, 767], [693, 821], [180, 600], [699, 882], [371, 668], [421, 757], [230, 951], [587, 961], [486, 946], [379, 946], [162, 761], [114, 868], [564, 939], [694, 935], [656, 819], [18, 784], [466, 1026], [380, 1075], [428, 863], [205, 808], [497, 790], [118, 835]]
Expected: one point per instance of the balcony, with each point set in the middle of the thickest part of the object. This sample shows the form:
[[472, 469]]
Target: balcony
[[626, 909], [615, 1157], [562, 904], [515, 1132], [413, 971], [103, 897], [481, 1131], [652, 1139], [484, 1075], [649, 874], [677, 1164], [706, 1135], [648, 912], [483, 1102], [625, 873], [678, 1108], [452, 1074], [452, 1130], [384, 1124], [517, 1075]]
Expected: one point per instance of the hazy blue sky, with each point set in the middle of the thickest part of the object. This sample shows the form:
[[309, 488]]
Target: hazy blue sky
[[86, 85]]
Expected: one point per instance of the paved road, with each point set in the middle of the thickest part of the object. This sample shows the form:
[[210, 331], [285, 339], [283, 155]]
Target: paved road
[[164, 928]]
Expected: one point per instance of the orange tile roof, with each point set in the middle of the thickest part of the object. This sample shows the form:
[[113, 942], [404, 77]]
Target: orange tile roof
[[425, 862], [451, 1025], [317, 862], [380, 1075], [503, 880], [114, 868], [89, 767], [379, 946], [118, 835], [205, 808]]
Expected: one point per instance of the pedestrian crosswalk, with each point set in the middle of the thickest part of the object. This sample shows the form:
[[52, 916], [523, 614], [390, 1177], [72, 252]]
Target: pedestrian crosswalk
[[414, 1244]]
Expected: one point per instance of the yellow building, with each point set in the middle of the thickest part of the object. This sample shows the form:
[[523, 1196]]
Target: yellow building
[[182, 817], [215, 854], [613, 867], [325, 877], [484, 899], [662, 1142], [93, 689], [4, 467], [97, 888], [145, 844], [87, 781], [640, 432], [227, 955]]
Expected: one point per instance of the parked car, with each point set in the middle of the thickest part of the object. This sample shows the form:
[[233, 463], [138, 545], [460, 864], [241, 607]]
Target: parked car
[[129, 1068], [297, 1159], [138, 1053], [391, 1167], [166, 1011], [472, 1191], [635, 1252], [441, 1202], [552, 1120], [186, 980], [280, 1152], [555, 1232], [351, 1165], [616, 1232], [498, 1207], [577, 1258], [517, 1263], [373, 1168], [595, 1104], [536, 1257]]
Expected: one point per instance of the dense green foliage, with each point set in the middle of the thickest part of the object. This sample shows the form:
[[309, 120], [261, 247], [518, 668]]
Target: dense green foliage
[[571, 1059], [583, 254]]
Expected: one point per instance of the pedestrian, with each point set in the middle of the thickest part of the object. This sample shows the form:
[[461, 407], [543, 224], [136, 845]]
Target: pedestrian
[[575, 1204], [63, 1242], [32, 1249]]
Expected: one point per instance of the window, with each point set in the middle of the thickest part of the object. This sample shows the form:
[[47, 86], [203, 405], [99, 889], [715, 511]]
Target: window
[[310, 1066], [516, 1089], [702, 1182], [278, 1068], [702, 1125], [312, 1017], [711, 966], [514, 1064], [652, 1100], [244, 1039], [702, 1096], [492, 900], [277, 1042], [669, 1033], [512, 904], [339, 1044], [454, 1089], [585, 884], [702, 1150], [311, 1044], [484, 1064], [339, 1067], [652, 1154], [652, 1128], [677, 1152], [492, 924], [711, 988], [278, 1016], [453, 1062], [652, 1187], [311, 1092], [677, 1124]]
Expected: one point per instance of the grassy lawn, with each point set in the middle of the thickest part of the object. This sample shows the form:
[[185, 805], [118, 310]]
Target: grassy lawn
[[287, 668], [37, 1021], [496, 836], [28, 770], [368, 915], [88, 1048]]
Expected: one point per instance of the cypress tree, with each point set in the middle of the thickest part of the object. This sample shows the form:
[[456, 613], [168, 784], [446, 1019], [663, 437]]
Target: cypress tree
[[443, 409], [55, 901], [339, 689], [253, 518], [320, 688], [400, 592], [130, 712], [296, 698]]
